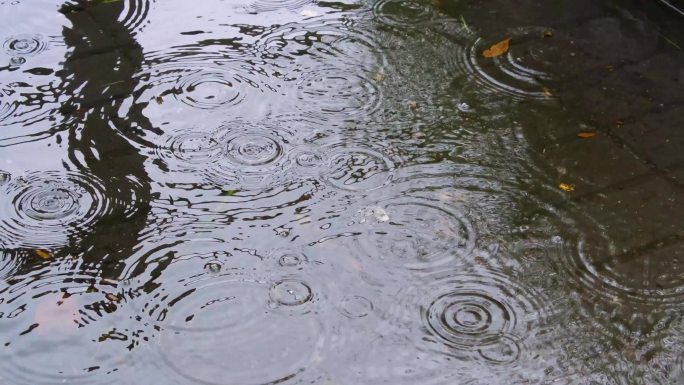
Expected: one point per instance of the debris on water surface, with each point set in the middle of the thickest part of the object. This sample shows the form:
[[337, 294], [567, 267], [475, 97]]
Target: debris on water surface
[[497, 49], [379, 76], [44, 254], [413, 105], [380, 214], [567, 187], [586, 135]]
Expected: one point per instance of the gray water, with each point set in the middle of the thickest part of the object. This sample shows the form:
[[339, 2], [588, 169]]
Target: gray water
[[299, 192]]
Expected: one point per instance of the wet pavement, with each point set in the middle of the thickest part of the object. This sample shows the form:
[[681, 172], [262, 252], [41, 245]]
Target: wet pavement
[[298, 192]]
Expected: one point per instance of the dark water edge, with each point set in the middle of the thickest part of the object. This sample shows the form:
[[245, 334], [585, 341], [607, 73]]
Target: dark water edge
[[297, 192]]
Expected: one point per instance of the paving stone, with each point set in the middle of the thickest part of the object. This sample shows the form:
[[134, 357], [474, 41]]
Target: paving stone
[[636, 213]]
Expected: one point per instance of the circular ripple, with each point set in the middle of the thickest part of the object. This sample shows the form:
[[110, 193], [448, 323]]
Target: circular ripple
[[357, 168], [7, 105], [42, 209], [212, 89], [10, 260], [291, 292], [190, 150], [202, 83], [307, 161], [135, 14], [253, 156], [522, 71], [405, 13], [54, 316], [483, 312], [356, 307], [25, 45], [416, 233], [218, 323], [273, 5], [332, 93], [289, 258]]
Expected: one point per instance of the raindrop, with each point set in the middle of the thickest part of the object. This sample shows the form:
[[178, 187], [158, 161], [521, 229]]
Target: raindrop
[[213, 267], [25, 45], [356, 307], [291, 292]]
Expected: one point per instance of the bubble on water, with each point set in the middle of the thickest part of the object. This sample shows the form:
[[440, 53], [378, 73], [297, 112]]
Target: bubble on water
[[291, 292], [213, 267], [17, 61], [290, 258], [25, 45], [307, 161]]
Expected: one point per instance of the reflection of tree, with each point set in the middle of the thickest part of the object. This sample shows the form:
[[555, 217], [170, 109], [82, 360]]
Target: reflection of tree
[[97, 76]]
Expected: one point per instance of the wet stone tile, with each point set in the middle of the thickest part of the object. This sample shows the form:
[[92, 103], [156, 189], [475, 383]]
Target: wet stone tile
[[637, 213]]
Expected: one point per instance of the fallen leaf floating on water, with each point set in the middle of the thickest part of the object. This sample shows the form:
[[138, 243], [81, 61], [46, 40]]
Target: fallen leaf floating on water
[[547, 92], [159, 99], [586, 135], [413, 105], [497, 49], [547, 34], [44, 254], [379, 76], [567, 187]]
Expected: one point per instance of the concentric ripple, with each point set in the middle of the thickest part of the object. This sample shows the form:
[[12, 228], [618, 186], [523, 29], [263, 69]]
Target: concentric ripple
[[405, 13], [332, 93], [524, 69], [357, 168], [415, 233], [51, 316], [253, 156], [10, 261], [135, 14], [273, 5], [25, 45], [216, 322], [7, 105], [42, 209], [222, 85], [483, 312], [190, 150]]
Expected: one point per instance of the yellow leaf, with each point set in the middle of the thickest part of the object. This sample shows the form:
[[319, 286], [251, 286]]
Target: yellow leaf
[[44, 254], [547, 92], [497, 49], [547, 34], [566, 187], [586, 135]]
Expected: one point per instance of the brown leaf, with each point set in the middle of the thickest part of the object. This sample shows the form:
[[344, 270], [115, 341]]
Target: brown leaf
[[547, 34], [497, 49], [586, 135], [44, 254], [413, 105]]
